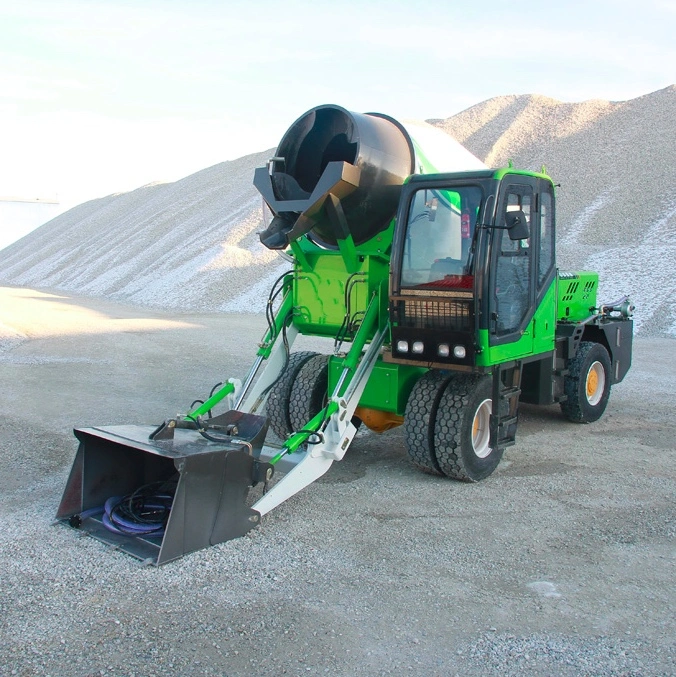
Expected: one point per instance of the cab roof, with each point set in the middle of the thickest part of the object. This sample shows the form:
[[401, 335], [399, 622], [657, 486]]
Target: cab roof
[[496, 173]]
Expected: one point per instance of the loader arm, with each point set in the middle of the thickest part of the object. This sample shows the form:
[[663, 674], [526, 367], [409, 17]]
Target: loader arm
[[333, 425]]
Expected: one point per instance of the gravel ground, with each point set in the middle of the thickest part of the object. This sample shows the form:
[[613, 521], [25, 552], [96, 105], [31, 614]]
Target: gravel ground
[[561, 563]]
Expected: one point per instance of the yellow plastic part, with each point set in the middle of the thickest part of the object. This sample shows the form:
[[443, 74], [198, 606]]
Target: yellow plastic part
[[378, 421]]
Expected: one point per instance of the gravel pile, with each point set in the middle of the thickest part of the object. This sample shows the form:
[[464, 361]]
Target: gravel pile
[[192, 245], [186, 245], [616, 210]]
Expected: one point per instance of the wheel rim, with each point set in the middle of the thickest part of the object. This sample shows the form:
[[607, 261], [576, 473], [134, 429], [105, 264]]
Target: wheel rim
[[595, 383], [481, 431]]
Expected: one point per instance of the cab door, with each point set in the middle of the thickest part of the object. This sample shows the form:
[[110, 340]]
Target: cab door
[[513, 271]]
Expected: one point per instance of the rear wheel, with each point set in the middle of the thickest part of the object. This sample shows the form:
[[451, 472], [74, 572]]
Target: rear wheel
[[462, 430], [421, 411], [277, 406], [309, 391], [587, 384]]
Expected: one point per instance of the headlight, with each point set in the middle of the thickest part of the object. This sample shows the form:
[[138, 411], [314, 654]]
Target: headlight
[[443, 350], [418, 347], [402, 346], [459, 352]]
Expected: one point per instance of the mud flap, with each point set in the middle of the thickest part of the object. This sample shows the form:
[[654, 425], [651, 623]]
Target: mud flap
[[212, 478]]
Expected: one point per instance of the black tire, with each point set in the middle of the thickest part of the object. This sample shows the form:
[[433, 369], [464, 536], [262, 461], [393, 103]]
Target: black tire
[[309, 391], [419, 417], [587, 385], [277, 406], [462, 432]]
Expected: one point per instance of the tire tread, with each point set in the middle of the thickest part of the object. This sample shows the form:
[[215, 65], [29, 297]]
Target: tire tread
[[277, 406], [452, 430], [308, 392], [419, 418]]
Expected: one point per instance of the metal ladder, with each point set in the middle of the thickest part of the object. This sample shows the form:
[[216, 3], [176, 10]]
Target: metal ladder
[[505, 413]]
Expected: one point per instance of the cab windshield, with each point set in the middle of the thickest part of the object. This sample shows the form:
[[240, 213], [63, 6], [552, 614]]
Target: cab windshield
[[439, 236]]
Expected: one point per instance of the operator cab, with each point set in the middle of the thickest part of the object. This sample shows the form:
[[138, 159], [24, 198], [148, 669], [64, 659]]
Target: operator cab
[[473, 255]]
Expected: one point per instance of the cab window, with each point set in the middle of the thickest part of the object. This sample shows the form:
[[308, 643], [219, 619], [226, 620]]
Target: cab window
[[439, 235]]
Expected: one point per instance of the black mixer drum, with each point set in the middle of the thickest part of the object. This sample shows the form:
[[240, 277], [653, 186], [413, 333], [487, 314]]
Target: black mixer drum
[[356, 162]]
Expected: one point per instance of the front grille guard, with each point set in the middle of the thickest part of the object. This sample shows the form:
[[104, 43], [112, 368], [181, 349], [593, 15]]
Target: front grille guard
[[434, 313]]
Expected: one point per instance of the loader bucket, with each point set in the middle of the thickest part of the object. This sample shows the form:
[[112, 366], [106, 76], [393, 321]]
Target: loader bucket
[[200, 485]]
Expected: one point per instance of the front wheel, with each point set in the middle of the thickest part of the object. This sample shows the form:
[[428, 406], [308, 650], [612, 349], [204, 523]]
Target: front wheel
[[421, 411], [309, 391], [587, 384], [278, 403], [462, 430]]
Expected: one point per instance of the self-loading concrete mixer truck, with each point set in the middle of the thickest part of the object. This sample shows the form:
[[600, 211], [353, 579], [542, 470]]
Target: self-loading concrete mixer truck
[[436, 278]]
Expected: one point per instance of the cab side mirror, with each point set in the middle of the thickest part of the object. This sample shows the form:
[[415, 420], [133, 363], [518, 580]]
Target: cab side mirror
[[517, 225]]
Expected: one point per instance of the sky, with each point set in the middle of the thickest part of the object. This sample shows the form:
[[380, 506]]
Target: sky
[[103, 96]]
